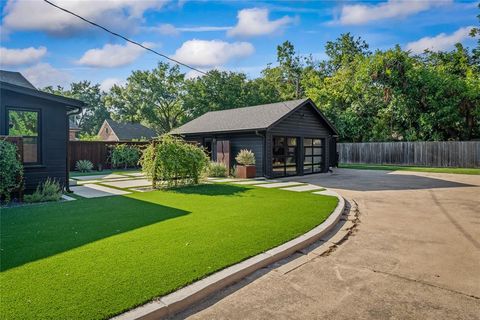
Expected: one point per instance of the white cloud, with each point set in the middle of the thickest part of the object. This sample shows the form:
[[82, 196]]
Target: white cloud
[[211, 53], [40, 16], [167, 29], [112, 55], [356, 14], [108, 83], [16, 57], [171, 30], [43, 75], [440, 42], [255, 22]]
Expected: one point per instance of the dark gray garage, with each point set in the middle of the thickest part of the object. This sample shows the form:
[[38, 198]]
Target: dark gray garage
[[288, 138]]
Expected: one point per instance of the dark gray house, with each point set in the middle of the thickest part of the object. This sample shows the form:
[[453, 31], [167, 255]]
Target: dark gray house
[[42, 121], [288, 138], [117, 131]]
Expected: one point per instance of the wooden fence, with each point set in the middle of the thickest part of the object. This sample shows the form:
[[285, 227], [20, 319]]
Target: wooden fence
[[465, 154], [98, 152]]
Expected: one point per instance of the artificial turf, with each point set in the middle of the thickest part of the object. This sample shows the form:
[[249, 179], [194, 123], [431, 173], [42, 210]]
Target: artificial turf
[[94, 258], [474, 171]]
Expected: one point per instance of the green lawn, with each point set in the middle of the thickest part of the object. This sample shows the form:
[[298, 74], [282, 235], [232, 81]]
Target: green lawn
[[409, 168], [94, 258]]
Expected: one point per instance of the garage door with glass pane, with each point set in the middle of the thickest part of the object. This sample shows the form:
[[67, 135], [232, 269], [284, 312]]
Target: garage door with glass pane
[[284, 156], [313, 155]]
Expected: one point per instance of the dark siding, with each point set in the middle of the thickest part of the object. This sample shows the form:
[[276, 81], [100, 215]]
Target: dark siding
[[53, 136], [238, 141], [304, 123]]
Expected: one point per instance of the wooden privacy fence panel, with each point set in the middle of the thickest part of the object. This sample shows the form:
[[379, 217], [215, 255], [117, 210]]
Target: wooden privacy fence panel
[[465, 154], [98, 152]]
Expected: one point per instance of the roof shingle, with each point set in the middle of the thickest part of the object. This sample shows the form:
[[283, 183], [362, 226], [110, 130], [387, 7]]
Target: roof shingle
[[129, 131], [248, 118]]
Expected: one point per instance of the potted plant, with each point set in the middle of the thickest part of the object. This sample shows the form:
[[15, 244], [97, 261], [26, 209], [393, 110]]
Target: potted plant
[[246, 164]]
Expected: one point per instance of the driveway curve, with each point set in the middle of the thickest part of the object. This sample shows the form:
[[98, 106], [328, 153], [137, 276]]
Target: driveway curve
[[415, 255]]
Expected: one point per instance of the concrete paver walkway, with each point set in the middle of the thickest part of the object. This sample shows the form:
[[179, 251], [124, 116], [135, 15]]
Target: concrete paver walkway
[[96, 191], [415, 255]]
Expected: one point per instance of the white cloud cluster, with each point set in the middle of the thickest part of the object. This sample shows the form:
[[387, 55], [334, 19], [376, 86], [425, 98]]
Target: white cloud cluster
[[43, 75], [112, 55], [40, 16], [208, 53], [17, 57], [440, 42], [255, 22], [356, 14]]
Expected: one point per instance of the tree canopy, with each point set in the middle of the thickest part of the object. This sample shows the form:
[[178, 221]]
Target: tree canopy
[[384, 95]]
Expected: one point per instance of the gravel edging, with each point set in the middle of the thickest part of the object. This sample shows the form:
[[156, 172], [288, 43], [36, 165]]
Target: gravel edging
[[183, 298]]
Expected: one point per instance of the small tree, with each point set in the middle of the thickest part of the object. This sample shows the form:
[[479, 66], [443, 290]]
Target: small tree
[[174, 162], [11, 170]]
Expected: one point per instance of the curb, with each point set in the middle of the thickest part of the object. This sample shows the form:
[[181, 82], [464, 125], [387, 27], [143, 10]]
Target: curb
[[183, 298]]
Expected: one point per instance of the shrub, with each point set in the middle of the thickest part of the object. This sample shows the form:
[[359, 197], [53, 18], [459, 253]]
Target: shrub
[[84, 166], [50, 190], [88, 137], [245, 157], [124, 155], [11, 170], [173, 161], [217, 169]]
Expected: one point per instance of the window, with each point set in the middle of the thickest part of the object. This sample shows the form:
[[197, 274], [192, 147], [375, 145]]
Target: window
[[284, 156], [25, 124], [313, 155]]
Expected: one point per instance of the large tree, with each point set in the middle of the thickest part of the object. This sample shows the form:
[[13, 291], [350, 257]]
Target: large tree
[[95, 111], [154, 98], [220, 90]]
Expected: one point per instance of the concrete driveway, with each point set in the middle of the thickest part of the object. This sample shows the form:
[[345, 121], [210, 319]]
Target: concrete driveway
[[415, 255]]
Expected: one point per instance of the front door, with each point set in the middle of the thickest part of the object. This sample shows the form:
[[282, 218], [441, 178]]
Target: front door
[[284, 156]]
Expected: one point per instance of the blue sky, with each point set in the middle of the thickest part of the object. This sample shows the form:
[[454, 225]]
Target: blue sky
[[53, 48]]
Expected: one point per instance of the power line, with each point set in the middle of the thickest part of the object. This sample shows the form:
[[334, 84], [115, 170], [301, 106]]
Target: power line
[[124, 38]]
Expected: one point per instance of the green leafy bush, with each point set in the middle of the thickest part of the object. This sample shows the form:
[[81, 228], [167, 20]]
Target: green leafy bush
[[88, 137], [245, 157], [84, 166], [217, 169], [124, 155], [50, 190], [11, 170], [174, 162]]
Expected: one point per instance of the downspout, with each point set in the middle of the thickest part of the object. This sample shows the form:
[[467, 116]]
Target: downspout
[[67, 182], [264, 140]]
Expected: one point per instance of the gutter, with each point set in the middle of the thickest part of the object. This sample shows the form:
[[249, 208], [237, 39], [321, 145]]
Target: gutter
[[74, 112]]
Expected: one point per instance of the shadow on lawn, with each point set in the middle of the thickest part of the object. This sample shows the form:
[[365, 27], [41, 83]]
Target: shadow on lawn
[[212, 190], [36, 232]]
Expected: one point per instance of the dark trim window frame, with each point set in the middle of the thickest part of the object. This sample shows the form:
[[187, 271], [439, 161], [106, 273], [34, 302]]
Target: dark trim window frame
[[32, 138], [313, 155], [284, 156]]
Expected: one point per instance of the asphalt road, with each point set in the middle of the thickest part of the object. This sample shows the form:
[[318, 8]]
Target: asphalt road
[[415, 255]]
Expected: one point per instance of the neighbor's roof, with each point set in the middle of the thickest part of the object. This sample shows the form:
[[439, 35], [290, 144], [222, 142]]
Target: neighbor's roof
[[243, 119], [15, 78], [129, 131], [16, 82]]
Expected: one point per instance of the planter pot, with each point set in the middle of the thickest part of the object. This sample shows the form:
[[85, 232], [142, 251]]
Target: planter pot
[[246, 172]]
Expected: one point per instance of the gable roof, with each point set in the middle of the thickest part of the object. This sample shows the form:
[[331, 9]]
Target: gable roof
[[129, 131], [15, 78], [259, 117], [16, 82]]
